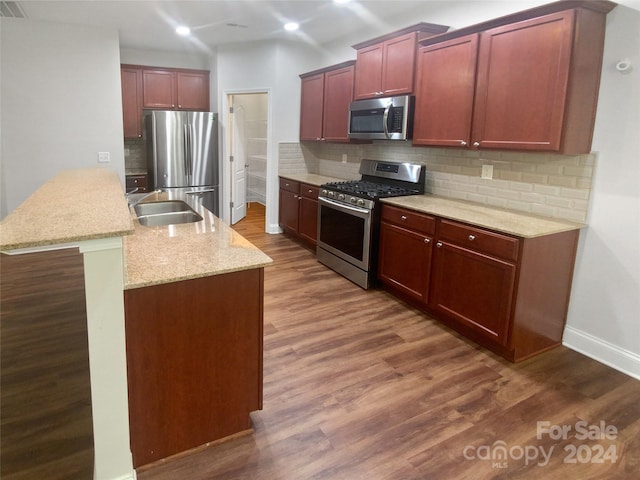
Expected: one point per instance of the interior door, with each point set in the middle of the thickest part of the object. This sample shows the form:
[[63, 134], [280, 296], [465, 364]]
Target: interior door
[[238, 157]]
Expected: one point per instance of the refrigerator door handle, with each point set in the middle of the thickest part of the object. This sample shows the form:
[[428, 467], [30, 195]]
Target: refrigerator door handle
[[185, 138]]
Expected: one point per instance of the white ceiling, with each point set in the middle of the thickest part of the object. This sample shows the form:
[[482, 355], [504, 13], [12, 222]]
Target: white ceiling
[[150, 24]]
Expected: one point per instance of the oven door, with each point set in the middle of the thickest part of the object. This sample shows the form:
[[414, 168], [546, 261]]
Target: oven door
[[345, 231]]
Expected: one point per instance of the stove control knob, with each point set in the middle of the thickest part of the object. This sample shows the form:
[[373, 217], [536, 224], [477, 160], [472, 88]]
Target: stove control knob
[[352, 199], [324, 192], [341, 197], [331, 194], [361, 202]]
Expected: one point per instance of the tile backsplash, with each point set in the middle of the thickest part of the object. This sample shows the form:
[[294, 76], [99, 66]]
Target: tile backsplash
[[550, 185], [134, 155]]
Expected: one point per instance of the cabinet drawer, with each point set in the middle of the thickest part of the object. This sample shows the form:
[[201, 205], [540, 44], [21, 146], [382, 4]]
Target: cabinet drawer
[[479, 239], [136, 181], [409, 219], [289, 185], [309, 191]]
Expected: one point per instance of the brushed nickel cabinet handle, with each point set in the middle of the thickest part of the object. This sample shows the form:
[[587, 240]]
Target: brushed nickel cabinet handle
[[476, 144], [472, 237], [403, 217], [439, 244], [463, 143], [427, 240]]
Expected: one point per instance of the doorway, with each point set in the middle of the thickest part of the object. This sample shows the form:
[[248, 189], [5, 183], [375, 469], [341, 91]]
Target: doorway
[[248, 153]]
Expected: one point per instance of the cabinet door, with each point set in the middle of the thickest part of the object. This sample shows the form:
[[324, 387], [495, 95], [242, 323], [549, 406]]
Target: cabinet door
[[338, 93], [311, 107], [405, 261], [289, 208], [473, 289], [158, 89], [522, 80], [131, 79], [445, 83], [308, 220], [193, 91], [398, 65], [368, 72]]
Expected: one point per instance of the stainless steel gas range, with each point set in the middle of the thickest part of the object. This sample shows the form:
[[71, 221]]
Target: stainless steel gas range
[[349, 216]]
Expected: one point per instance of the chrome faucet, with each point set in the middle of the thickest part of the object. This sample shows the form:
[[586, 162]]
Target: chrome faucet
[[136, 202]]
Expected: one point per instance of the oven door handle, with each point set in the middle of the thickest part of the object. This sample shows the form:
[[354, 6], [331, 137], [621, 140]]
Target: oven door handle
[[344, 208]]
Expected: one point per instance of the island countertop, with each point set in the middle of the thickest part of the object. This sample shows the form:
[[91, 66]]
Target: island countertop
[[171, 253], [75, 205], [501, 220]]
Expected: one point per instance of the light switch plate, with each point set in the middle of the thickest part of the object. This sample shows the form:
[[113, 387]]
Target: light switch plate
[[344, 158], [104, 157], [487, 172]]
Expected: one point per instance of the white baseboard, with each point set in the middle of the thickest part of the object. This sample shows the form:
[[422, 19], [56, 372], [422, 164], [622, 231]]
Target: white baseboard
[[274, 228], [604, 352]]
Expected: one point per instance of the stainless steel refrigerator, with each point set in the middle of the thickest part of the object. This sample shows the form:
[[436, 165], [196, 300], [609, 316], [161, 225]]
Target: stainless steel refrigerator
[[182, 155]]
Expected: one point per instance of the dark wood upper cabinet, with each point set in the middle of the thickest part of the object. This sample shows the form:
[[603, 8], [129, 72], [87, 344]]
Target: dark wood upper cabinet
[[159, 89], [445, 86], [522, 84], [311, 107], [170, 89], [528, 81], [324, 105], [131, 79], [192, 90], [385, 66], [338, 94]]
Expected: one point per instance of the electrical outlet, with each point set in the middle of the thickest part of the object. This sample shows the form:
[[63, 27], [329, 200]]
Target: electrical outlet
[[104, 157], [487, 172], [344, 158]]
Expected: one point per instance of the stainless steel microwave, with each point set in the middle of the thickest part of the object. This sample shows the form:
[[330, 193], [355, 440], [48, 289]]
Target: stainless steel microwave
[[389, 118]]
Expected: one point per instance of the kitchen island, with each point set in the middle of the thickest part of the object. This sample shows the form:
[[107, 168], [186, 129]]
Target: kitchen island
[[86, 209], [194, 325]]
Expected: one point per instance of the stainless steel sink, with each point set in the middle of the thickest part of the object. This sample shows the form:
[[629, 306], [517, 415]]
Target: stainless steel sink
[[169, 212]]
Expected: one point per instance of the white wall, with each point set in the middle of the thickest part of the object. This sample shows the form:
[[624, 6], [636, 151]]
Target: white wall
[[61, 103], [271, 67], [157, 58], [604, 315]]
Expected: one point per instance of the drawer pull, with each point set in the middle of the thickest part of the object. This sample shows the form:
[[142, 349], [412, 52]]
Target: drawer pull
[[286, 184], [439, 244], [310, 191], [427, 240], [472, 237], [403, 217]]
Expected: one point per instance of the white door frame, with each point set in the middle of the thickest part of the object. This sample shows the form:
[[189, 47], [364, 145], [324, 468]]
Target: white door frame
[[225, 184]]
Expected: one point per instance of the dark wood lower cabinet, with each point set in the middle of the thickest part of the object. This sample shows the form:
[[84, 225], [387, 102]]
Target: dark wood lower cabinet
[[507, 293], [474, 289], [405, 261], [194, 361], [299, 210]]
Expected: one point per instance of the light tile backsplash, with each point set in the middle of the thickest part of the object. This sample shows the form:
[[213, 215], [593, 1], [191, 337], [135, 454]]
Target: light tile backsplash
[[550, 185], [134, 155]]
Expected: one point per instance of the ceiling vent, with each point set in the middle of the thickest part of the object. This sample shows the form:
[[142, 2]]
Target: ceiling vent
[[11, 10]]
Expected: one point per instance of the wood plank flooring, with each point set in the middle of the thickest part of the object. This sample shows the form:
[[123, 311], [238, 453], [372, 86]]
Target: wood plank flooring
[[46, 429], [358, 385]]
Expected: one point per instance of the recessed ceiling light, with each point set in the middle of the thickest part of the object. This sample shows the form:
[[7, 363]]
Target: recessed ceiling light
[[291, 26], [182, 30]]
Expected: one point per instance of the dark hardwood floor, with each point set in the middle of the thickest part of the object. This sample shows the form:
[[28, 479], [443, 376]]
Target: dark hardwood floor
[[46, 430], [358, 385]]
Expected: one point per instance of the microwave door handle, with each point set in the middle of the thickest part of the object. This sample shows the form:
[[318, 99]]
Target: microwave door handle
[[385, 119]]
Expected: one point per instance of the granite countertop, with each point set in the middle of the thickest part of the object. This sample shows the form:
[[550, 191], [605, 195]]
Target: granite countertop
[[75, 205], [170, 253], [310, 178], [506, 221]]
